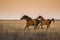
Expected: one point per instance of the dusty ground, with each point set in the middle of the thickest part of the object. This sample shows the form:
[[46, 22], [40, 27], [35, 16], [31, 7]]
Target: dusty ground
[[14, 30]]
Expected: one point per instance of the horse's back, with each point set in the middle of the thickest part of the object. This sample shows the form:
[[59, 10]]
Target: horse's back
[[33, 22], [45, 22], [30, 22]]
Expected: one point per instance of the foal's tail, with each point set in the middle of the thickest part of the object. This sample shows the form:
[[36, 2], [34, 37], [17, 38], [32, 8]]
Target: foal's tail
[[53, 20]]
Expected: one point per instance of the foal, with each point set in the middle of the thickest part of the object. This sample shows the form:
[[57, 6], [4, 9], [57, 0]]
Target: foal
[[45, 21]]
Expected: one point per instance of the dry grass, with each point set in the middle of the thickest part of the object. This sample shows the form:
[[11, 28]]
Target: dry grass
[[14, 30]]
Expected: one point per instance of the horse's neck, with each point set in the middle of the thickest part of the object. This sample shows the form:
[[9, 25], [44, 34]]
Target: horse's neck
[[42, 19], [27, 18]]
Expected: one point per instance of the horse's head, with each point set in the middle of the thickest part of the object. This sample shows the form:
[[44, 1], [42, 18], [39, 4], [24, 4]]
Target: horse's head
[[53, 20], [40, 17], [25, 17]]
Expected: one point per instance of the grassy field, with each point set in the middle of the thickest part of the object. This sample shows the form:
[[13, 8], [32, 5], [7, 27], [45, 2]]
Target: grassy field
[[14, 30]]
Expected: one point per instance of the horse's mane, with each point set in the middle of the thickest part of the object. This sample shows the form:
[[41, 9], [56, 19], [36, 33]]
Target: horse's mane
[[41, 17], [26, 17]]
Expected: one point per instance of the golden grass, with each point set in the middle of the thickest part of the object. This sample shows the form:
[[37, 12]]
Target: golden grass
[[20, 24], [14, 30]]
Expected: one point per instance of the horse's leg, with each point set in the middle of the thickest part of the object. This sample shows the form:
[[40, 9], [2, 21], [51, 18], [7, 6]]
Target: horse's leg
[[28, 28], [25, 27], [41, 26], [35, 27], [38, 26], [48, 26]]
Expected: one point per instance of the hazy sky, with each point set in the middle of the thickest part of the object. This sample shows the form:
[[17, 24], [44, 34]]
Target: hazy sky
[[14, 9]]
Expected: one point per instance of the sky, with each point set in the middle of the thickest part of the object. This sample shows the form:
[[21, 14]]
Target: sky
[[15, 9]]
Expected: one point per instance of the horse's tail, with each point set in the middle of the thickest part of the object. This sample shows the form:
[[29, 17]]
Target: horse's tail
[[53, 20]]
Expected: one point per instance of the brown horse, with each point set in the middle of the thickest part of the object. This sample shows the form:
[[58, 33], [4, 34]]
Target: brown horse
[[45, 21], [31, 22]]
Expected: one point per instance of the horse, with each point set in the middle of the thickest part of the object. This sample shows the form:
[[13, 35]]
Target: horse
[[45, 21], [30, 22], [26, 17]]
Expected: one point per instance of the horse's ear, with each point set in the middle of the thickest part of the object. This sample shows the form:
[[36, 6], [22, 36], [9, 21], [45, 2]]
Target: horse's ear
[[23, 15], [53, 20], [39, 15]]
